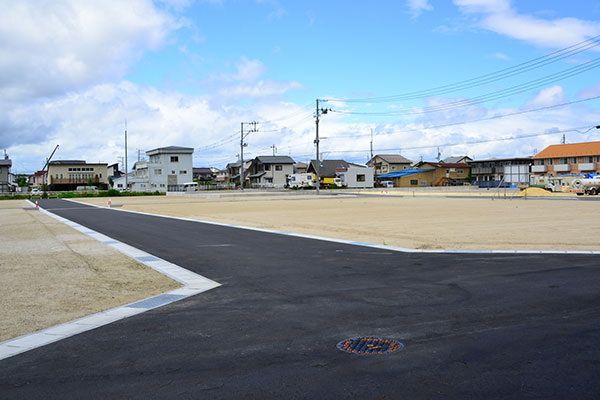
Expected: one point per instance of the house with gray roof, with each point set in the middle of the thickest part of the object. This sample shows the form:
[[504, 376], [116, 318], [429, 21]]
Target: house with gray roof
[[457, 160], [387, 163], [270, 171]]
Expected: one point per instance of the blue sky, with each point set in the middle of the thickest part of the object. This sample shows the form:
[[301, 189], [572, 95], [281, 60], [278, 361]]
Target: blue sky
[[188, 72]]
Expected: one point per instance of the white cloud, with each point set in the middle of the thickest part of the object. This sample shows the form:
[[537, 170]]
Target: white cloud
[[547, 97], [416, 7], [249, 70], [262, 88], [501, 17], [51, 47], [501, 56]]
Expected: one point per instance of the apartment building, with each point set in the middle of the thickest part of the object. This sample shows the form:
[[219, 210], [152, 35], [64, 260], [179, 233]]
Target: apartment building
[[166, 169], [571, 158], [69, 174]]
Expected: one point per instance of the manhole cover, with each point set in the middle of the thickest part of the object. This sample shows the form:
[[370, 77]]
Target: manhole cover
[[370, 345]]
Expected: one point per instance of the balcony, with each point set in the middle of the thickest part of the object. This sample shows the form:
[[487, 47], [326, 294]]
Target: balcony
[[562, 168], [480, 170], [539, 168], [587, 167]]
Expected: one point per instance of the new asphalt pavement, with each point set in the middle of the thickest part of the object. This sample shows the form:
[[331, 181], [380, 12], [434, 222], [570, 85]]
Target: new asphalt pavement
[[473, 325]]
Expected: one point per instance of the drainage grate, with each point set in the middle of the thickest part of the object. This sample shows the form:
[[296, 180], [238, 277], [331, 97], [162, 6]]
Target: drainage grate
[[370, 345]]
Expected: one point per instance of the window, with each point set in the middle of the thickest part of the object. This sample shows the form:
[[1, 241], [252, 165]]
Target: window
[[574, 160], [459, 171], [183, 172], [268, 180], [360, 178], [100, 175], [550, 161], [540, 162], [174, 158], [590, 159], [393, 167], [384, 168], [267, 167], [278, 168], [157, 171], [564, 160], [414, 182], [172, 172]]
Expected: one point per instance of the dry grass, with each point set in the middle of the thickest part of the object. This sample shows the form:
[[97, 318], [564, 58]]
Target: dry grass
[[50, 273]]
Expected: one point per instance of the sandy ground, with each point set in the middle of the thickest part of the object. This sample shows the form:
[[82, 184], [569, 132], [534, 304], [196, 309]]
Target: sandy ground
[[415, 222], [50, 273]]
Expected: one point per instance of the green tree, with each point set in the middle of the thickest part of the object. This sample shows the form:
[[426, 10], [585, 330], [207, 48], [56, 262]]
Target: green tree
[[22, 181]]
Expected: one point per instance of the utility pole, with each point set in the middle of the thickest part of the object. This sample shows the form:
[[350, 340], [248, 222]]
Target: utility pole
[[126, 182], [139, 154], [274, 149], [318, 162], [563, 139], [242, 145]]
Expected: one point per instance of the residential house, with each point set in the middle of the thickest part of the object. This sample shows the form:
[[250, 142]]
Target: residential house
[[120, 183], [113, 171], [69, 174], [429, 174], [327, 168], [38, 179], [167, 169], [386, 163], [7, 179], [300, 168], [495, 171], [571, 158], [222, 176], [270, 171], [356, 176], [204, 174], [457, 160], [233, 171]]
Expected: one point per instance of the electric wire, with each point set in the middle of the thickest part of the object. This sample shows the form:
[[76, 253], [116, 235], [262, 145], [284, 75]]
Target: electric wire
[[499, 94], [486, 78]]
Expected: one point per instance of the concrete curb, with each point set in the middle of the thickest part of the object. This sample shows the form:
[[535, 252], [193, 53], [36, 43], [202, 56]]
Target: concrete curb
[[192, 285]]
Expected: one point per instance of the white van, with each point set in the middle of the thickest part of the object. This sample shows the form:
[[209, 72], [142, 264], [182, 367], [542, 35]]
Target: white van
[[387, 184], [190, 186]]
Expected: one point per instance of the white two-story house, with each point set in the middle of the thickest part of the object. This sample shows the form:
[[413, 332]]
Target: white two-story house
[[166, 169]]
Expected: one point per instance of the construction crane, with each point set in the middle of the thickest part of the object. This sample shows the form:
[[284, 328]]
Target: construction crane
[[49, 158]]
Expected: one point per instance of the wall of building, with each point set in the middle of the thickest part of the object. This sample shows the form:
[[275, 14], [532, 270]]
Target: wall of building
[[357, 177], [567, 165], [161, 172], [77, 173]]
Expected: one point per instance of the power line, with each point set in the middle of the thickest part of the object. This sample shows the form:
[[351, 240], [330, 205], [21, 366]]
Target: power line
[[486, 78], [477, 120], [499, 94], [472, 142]]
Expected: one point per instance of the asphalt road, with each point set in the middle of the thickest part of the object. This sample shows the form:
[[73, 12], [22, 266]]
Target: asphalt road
[[473, 325]]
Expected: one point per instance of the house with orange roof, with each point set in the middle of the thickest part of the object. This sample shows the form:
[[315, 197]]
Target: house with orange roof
[[571, 158]]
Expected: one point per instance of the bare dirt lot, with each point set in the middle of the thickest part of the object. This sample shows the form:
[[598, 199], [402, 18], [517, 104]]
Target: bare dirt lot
[[50, 273], [414, 222]]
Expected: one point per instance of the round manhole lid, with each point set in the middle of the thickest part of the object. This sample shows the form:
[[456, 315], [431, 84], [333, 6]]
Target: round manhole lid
[[370, 345]]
